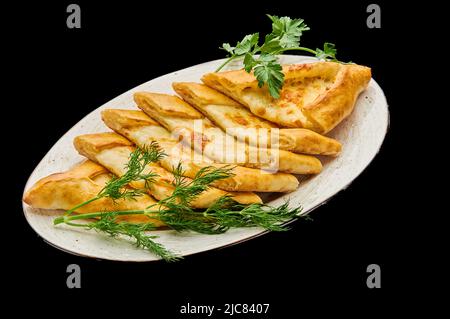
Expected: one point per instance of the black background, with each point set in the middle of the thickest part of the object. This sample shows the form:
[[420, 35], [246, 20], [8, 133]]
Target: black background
[[60, 75]]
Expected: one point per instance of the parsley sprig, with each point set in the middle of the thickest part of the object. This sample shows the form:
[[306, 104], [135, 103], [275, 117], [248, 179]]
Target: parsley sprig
[[262, 59]]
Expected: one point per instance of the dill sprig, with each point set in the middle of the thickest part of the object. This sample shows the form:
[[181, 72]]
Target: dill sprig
[[184, 192], [175, 211], [225, 214], [230, 214], [107, 223], [222, 215], [116, 187]]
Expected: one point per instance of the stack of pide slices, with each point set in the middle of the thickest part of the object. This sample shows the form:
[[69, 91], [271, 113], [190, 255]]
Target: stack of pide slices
[[227, 120]]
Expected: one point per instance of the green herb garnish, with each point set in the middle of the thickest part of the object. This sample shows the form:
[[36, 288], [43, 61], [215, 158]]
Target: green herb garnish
[[175, 211], [263, 61]]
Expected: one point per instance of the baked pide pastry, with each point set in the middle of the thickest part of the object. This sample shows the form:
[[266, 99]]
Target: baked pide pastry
[[316, 96], [237, 120], [79, 184], [142, 130], [182, 119], [112, 151]]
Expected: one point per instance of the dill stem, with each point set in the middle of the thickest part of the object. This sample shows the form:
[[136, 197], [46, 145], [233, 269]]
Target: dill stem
[[70, 211], [66, 219]]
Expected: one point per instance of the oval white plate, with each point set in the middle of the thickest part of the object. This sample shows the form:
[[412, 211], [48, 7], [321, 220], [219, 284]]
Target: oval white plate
[[361, 135]]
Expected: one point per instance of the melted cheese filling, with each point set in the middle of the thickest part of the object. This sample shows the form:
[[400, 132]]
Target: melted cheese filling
[[288, 109], [305, 91]]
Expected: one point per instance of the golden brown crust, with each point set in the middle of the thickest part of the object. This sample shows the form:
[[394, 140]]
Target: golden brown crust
[[210, 140], [98, 142], [219, 108], [330, 108], [200, 95], [245, 179], [115, 157], [165, 104], [292, 162], [68, 189], [317, 96], [133, 118], [226, 113], [300, 140]]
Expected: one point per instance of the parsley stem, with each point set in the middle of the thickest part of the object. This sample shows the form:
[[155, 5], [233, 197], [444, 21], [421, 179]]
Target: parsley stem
[[302, 49], [231, 58]]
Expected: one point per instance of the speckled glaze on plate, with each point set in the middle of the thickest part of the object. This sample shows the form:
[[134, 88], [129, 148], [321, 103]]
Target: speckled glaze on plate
[[361, 134]]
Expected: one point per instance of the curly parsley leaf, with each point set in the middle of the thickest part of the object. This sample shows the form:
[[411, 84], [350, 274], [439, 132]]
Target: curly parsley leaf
[[249, 62], [328, 53], [287, 31], [246, 45], [227, 47], [268, 70]]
